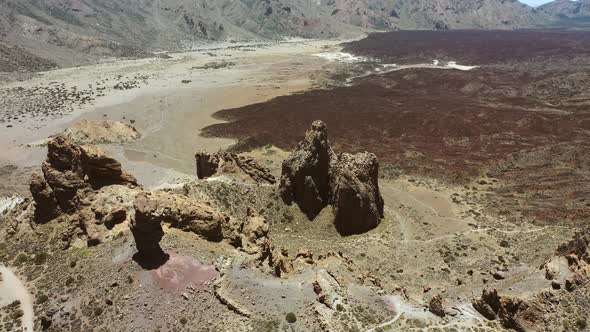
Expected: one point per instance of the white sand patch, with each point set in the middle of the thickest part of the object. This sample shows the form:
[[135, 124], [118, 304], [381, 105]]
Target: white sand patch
[[12, 289], [9, 203], [341, 57]]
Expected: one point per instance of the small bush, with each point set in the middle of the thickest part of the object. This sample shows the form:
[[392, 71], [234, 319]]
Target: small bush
[[97, 311], [291, 318], [183, 321], [581, 323], [42, 298], [70, 280], [41, 258], [21, 258]]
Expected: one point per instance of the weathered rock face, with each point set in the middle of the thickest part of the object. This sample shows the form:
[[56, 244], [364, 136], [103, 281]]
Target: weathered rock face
[[47, 208], [147, 232], [63, 172], [357, 202], [243, 168], [305, 176], [313, 177], [182, 213], [70, 169], [254, 232], [103, 170], [571, 264], [513, 313]]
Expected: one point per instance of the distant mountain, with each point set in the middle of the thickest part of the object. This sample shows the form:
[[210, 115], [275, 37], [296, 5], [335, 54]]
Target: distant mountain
[[70, 32], [560, 9]]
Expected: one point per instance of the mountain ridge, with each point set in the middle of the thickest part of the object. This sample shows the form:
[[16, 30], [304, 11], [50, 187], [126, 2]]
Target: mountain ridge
[[72, 32]]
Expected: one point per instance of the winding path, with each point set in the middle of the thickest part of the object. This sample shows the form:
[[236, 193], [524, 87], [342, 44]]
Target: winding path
[[12, 289]]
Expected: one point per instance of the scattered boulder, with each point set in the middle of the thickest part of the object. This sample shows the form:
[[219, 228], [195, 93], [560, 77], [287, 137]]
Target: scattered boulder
[[226, 163], [357, 202], [313, 177], [181, 212], [305, 175], [435, 305]]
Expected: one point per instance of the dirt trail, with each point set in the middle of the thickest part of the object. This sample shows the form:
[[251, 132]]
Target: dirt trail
[[12, 289]]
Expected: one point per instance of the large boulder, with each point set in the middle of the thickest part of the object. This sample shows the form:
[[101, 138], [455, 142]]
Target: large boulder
[[181, 212], [357, 202], [305, 176], [231, 164]]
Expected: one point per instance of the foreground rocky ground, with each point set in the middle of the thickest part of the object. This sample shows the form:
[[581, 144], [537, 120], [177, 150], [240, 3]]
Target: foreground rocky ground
[[231, 252]]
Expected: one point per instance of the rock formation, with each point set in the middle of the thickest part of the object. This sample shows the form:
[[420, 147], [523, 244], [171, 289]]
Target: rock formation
[[513, 313], [313, 177], [254, 232], [147, 232], [226, 163], [435, 305], [68, 169], [47, 208], [571, 264], [102, 170], [101, 132], [181, 212], [357, 202], [305, 175]]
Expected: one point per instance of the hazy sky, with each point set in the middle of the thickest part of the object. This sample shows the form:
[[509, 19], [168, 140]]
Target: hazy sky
[[535, 2]]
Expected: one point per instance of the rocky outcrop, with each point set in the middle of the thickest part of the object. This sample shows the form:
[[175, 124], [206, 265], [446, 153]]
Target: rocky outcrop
[[513, 313], [147, 232], [357, 202], [254, 232], [46, 203], [231, 164], [570, 266], [181, 212], [103, 170], [69, 170], [305, 175], [101, 132], [435, 305], [313, 177]]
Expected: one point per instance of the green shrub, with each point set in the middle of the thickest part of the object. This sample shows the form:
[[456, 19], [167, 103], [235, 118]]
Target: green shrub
[[41, 258], [21, 258]]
